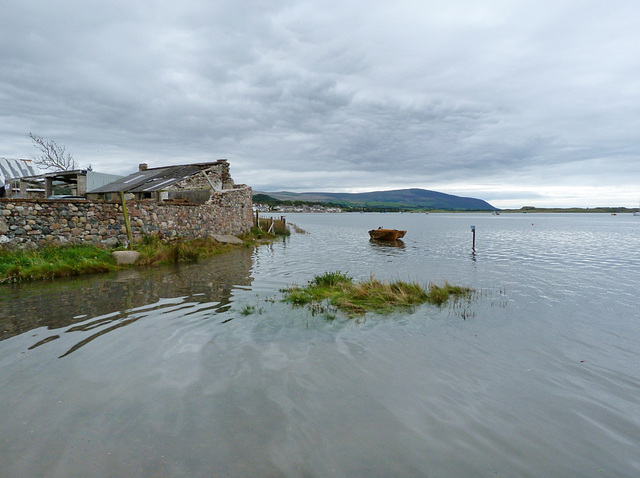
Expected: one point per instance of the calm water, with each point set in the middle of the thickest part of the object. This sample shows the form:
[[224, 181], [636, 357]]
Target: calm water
[[160, 372]]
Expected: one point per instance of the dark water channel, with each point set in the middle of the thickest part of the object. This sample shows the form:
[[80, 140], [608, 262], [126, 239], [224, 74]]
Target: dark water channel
[[201, 370]]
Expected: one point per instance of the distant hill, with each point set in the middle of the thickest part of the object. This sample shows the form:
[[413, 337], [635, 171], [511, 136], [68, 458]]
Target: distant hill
[[405, 199]]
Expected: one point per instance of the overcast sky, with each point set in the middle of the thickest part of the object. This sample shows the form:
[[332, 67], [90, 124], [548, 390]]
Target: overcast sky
[[514, 102]]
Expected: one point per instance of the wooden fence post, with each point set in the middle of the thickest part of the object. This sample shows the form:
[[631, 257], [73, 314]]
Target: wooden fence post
[[127, 224]]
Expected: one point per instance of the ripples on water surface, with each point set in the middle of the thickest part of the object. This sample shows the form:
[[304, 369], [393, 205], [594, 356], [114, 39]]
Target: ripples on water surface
[[201, 370]]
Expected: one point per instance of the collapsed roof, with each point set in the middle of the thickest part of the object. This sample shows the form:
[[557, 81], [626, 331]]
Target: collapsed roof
[[154, 179]]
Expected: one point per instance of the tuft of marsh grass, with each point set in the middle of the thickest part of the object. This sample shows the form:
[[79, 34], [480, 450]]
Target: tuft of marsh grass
[[331, 279], [339, 290], [155, 251], [440, 294], [248, 310]]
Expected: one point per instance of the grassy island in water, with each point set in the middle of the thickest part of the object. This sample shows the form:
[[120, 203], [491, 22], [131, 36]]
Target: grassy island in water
[[355, 298]]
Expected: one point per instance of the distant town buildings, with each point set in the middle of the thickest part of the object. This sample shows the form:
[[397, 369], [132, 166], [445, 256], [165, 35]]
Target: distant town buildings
[[296, 208]]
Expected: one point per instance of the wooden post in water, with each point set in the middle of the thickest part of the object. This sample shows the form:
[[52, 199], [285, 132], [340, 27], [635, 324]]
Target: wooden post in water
[[473, 230], [127, 224]]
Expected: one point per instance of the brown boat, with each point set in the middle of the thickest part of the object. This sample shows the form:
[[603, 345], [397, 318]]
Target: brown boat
[[386, 234]]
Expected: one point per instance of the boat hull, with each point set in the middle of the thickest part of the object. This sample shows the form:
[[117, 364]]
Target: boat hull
[[386, 234]]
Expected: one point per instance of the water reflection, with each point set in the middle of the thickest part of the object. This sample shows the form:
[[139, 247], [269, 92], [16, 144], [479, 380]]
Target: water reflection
[[385, 244], [102, 304]]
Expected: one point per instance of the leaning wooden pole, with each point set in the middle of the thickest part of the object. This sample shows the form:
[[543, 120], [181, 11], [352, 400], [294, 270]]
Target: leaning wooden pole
[[127, 224]]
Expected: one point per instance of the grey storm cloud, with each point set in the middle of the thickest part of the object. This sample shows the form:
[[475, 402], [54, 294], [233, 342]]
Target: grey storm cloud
[[509, 101]]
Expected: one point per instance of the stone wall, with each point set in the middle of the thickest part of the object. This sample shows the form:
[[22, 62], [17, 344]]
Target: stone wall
[[29, 223]]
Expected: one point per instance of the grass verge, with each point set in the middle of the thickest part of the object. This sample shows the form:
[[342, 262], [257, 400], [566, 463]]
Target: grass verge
[[63, 261], [51, 262], [356, 298]]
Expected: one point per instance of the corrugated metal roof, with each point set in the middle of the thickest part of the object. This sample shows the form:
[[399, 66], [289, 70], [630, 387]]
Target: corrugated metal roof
[[149, 180], [16, 168], [96, 180]]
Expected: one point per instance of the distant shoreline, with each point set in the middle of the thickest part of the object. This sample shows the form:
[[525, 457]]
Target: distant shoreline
[[332, 210], [605, 210]]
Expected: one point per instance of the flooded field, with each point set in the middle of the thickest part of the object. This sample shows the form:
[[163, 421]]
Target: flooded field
[[201, 370]]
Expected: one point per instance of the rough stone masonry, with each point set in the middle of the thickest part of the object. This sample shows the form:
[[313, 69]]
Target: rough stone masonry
[[32, 223]]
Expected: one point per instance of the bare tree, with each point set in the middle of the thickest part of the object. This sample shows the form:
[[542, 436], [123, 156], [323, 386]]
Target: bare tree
[[51, 155]]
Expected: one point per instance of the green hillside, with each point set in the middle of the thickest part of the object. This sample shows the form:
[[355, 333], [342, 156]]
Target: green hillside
[[403, 199]]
